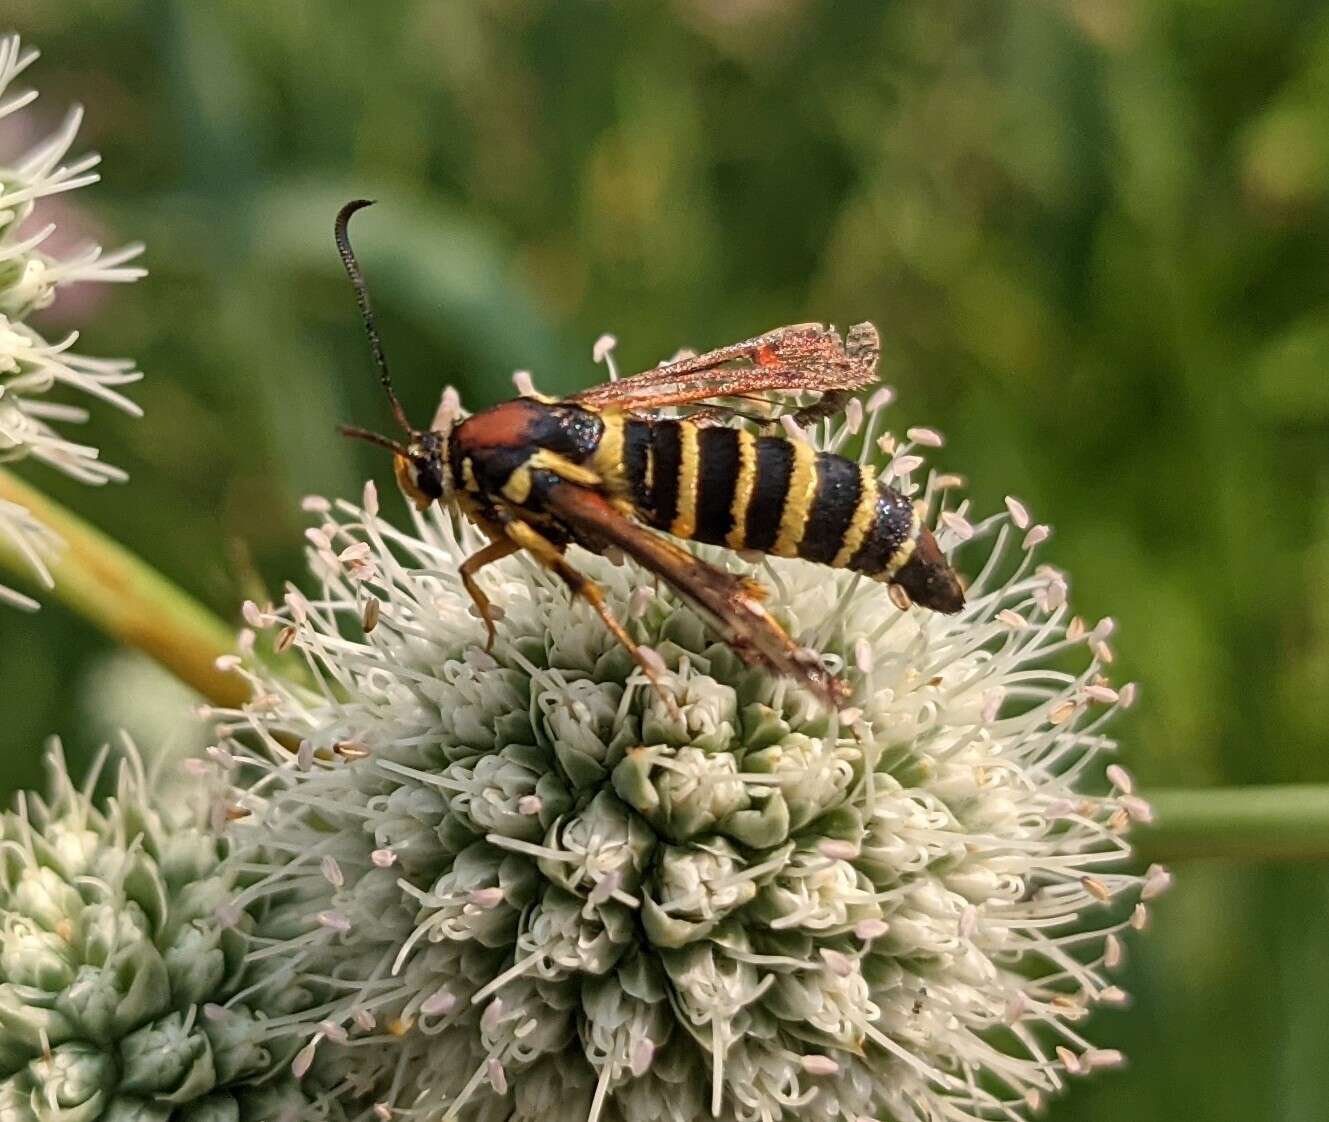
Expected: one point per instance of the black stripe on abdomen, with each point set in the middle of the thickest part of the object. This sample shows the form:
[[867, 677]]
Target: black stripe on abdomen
[[891, 523], [838, 483], [775, 465], [717, 479], [667, 457], [636, 445]]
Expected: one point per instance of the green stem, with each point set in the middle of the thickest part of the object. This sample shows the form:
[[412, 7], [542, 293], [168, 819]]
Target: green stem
[[127, 599], [1246, 823]]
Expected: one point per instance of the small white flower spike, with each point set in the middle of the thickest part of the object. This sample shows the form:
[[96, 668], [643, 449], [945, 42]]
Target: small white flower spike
[[30, 279]]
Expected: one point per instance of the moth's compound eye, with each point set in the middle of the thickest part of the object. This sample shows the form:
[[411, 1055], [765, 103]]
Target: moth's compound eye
[[428, 473], [408, 479]]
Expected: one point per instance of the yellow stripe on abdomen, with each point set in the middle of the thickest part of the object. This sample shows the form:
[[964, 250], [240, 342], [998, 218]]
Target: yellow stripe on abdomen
[[608, 457], [685, 518], [861, 523], [798, 500], [747, 477]]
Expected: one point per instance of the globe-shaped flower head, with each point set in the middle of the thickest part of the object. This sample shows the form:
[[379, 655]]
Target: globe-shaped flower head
[[521, 886], [121, 993]]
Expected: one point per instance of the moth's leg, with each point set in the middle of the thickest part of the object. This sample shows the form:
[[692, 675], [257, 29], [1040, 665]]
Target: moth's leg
[[565, 469], [551, 557], [731, 603], [827, 405], [496, 550]]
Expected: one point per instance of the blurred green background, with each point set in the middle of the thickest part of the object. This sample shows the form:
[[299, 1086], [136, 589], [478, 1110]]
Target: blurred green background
[[1094, 234]]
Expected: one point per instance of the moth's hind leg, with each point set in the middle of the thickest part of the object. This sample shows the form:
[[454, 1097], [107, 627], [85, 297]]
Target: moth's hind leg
[[551, 557]]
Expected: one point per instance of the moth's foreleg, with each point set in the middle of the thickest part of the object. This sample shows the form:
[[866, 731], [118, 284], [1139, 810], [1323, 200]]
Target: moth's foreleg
[[495, 551], [548, 554]]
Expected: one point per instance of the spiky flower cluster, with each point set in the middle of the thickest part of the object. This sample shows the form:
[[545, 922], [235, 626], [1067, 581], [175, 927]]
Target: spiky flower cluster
[[118, 998], [520, 886], [30, 277]]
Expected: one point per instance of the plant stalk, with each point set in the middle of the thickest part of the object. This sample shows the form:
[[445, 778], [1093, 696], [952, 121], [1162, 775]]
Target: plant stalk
[[1277, 823], [127, 599]]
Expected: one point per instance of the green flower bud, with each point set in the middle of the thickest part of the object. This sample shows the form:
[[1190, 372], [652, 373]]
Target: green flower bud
[[695, 888], [168, 1059], [73, 1084]]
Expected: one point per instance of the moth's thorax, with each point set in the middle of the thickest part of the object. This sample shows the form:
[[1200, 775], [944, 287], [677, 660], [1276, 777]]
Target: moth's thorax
[[493, 453]]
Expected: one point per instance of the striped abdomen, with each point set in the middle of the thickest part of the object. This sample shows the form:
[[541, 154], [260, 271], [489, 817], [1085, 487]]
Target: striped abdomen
[[767, 493]]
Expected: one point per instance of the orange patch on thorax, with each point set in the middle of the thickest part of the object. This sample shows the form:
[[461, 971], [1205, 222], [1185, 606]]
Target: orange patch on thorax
[[500, 426]]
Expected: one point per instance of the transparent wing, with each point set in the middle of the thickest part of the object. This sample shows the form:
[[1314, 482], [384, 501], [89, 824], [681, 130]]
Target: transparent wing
[[752, 375]]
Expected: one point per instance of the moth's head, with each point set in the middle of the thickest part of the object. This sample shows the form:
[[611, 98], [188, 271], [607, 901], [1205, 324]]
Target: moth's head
[[421, 468], [420, 464]]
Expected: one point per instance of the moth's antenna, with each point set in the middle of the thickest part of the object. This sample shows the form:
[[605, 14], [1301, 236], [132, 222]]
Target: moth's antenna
[[339, 232], [374, 438]]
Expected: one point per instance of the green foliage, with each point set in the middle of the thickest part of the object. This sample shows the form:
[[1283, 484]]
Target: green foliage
[[1093, 237]]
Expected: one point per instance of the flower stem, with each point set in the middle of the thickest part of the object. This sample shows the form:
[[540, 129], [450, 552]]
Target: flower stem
[[128, 599], [1277, 823]]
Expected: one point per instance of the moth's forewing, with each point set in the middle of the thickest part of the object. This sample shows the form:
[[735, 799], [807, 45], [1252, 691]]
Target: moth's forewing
[[806, 358], [732, 603]]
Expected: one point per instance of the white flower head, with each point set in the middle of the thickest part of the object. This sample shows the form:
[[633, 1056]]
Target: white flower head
[[31, 367], [123, 964], [521, 886]]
